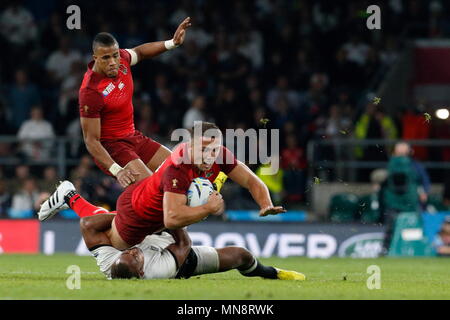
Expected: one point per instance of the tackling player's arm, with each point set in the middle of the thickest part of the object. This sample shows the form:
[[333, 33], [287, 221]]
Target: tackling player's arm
[[152, 49], [91, 133], [180, 249], [242, 175], [178, 215]]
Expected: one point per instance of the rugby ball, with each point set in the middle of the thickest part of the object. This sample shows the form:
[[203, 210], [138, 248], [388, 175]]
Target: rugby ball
[[199, 192]]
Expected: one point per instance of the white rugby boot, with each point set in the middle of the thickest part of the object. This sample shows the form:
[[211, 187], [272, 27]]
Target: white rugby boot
[[56, 201]]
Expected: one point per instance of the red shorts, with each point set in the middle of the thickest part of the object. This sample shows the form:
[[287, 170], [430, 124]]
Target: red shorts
[[124, 150], [132, 227]]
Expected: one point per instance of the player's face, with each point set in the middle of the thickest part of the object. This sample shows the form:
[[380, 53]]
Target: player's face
[[107, 60], [204, 160], [137, 259]]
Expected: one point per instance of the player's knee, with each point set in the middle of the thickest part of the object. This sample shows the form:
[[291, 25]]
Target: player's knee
[[85, 224], [245, 256]]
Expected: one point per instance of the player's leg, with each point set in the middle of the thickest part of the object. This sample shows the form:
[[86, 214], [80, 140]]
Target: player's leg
[[115, 238], [158, 157], [129, 228], [255, 268], [66, 196], [96, 230], [242, 260], [210, 260]]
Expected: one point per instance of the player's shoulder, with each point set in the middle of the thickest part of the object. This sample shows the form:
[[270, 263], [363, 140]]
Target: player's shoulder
[[89, 92], [90, 81], [124, 54], [177, 169]]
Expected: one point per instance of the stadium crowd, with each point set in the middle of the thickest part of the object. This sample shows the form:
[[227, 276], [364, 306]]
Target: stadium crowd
[[303, 65]]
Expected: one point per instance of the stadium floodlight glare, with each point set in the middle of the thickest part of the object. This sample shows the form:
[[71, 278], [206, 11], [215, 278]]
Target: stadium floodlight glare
[[442, 113]]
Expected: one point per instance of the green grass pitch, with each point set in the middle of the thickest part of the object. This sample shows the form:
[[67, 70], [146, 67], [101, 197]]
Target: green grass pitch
[[44, 277]]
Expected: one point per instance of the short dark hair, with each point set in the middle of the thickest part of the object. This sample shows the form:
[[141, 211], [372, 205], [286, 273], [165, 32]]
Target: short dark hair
[[103, 39], [122, 270], [205, 126]]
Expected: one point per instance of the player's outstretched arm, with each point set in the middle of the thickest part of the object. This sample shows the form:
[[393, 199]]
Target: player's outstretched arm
[[153, 49], [178, 215], [245, 177]]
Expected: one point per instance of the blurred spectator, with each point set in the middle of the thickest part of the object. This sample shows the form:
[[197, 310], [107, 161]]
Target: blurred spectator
[[36, 136], [73, 132], [49, 180], [374, 124], [415, 128], [293, 162], [282, 90], [146, 121], [301, 70], [5, 198], [232, 65], [446, 193], [250, 45], [442, 241], [372, 65], [22, 96], [195, 112], [344, 71], [85, 176], [22, 172], [390, 51], [406, 188], [198, 34], [282, 111], [52, 32], [106, 192], [357, 51], [169, 115], [17, 25], [335, 125], [24, 201], [402, 149], [315, 100], [69, 91], [60, 61], [274, 182]]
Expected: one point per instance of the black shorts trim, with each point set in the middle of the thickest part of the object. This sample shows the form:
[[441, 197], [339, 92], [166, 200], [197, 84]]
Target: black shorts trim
[[188, 267]]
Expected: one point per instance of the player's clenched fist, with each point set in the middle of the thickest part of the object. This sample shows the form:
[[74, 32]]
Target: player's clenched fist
[[215, 203], [125, 177]]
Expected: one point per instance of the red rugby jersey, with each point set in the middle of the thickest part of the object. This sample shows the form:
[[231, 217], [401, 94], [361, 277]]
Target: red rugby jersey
[[109, 99], [173, 176]]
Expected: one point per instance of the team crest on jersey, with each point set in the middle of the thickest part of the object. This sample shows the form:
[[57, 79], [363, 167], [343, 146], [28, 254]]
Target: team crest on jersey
[[108, 89], [174, 183], [123, 69], [121, 85], [209, 174]]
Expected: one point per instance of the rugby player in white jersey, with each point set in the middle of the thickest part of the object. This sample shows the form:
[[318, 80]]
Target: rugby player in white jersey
[[169, 255]]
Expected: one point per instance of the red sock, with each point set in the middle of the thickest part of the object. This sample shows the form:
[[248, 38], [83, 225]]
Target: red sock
[[83, 208]]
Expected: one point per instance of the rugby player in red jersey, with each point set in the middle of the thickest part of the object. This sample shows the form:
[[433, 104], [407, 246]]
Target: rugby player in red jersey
[[106, 108], [159, 201]]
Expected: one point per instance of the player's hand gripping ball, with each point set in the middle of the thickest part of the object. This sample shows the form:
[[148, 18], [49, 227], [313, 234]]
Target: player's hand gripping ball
[[199, 192]]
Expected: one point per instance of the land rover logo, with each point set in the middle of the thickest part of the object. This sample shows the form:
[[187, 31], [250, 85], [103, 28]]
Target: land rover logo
[[366, 245]]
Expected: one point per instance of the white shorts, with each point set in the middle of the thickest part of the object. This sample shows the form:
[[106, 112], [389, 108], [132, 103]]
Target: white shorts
[[207, 260]]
